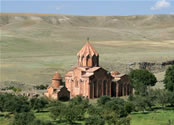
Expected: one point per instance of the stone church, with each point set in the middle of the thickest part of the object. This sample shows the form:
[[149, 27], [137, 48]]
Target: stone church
[[88, 79], [56, 90]]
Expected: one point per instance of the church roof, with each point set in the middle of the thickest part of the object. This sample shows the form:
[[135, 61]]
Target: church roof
[[88, 74], [87, 50], [69, 74], [57, 76], [93, 69]]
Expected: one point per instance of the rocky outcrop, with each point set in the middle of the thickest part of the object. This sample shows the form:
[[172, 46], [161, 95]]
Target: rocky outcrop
[[151, 66], [168, 63]]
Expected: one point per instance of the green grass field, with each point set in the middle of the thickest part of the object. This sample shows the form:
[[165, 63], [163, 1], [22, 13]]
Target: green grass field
[[157, 117]]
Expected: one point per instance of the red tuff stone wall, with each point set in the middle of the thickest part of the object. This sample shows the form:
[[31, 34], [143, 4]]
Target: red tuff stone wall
[[88, 61], [56, 83], [50, 91], [122, 87], [77, 87], [93, 87]]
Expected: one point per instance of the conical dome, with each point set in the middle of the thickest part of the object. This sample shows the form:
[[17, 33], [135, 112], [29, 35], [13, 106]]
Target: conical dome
[[88, 56], [57, 76], [87, 50]]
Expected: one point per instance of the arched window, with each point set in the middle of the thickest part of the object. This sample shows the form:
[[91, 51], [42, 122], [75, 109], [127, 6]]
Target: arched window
[[104, 87], [95, 89], [94, 60], [87, 61], [128, 89], [99, 88], [120, 89], [81, 63]]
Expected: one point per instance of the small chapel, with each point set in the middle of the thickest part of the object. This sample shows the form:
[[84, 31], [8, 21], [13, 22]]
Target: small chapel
[[89, 80]]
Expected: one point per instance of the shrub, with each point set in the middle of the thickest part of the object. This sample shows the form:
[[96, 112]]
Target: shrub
[[94, 110], [129, 107], [162, 97], [41, 87], [24, 118], [103, 100], [13, 103], [94, 120], [56, 109], [169, 79], [171, 98], [70, 114], [117, 105], [80, 101], [38, 103]]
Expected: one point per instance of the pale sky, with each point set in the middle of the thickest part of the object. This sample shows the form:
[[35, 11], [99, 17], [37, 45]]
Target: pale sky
[[89, 7]]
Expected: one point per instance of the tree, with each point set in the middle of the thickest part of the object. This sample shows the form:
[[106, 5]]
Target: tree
[[117, 105], [56, 110], [129, 107], [38, 103], [13, 103], [28, 118], [169, 79], [171, 98], [24, 118], [114, 118], [162, 97], [70, 114], [141, 79], [103, 100], [94, 120], [81, 105], [139, 102], [94, 110], [78, 100], [2, 102]]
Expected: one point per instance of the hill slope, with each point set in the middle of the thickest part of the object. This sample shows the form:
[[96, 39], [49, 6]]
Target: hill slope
[[117, 27], [34, 46]]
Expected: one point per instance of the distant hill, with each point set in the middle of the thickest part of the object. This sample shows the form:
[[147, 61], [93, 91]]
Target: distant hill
[[140, 27]]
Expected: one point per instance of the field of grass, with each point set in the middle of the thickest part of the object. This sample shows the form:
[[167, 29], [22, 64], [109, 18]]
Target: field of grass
[[33, 47], [157, 117]]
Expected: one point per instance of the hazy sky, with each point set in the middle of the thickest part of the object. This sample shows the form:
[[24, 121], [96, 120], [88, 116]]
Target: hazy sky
[[89, 7]]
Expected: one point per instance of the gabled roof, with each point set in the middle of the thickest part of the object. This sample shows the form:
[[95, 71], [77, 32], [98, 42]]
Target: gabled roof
[[88, 75], [69, 74], [93, 69], [87, 50]]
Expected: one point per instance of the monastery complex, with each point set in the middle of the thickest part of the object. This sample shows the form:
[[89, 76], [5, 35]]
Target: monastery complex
[[88, 79]]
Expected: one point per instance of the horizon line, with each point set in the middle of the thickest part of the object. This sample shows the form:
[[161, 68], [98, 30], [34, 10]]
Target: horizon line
[[57, 14]]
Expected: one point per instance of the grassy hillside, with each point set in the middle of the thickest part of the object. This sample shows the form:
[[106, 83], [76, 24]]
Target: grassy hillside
[[34, 46]]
